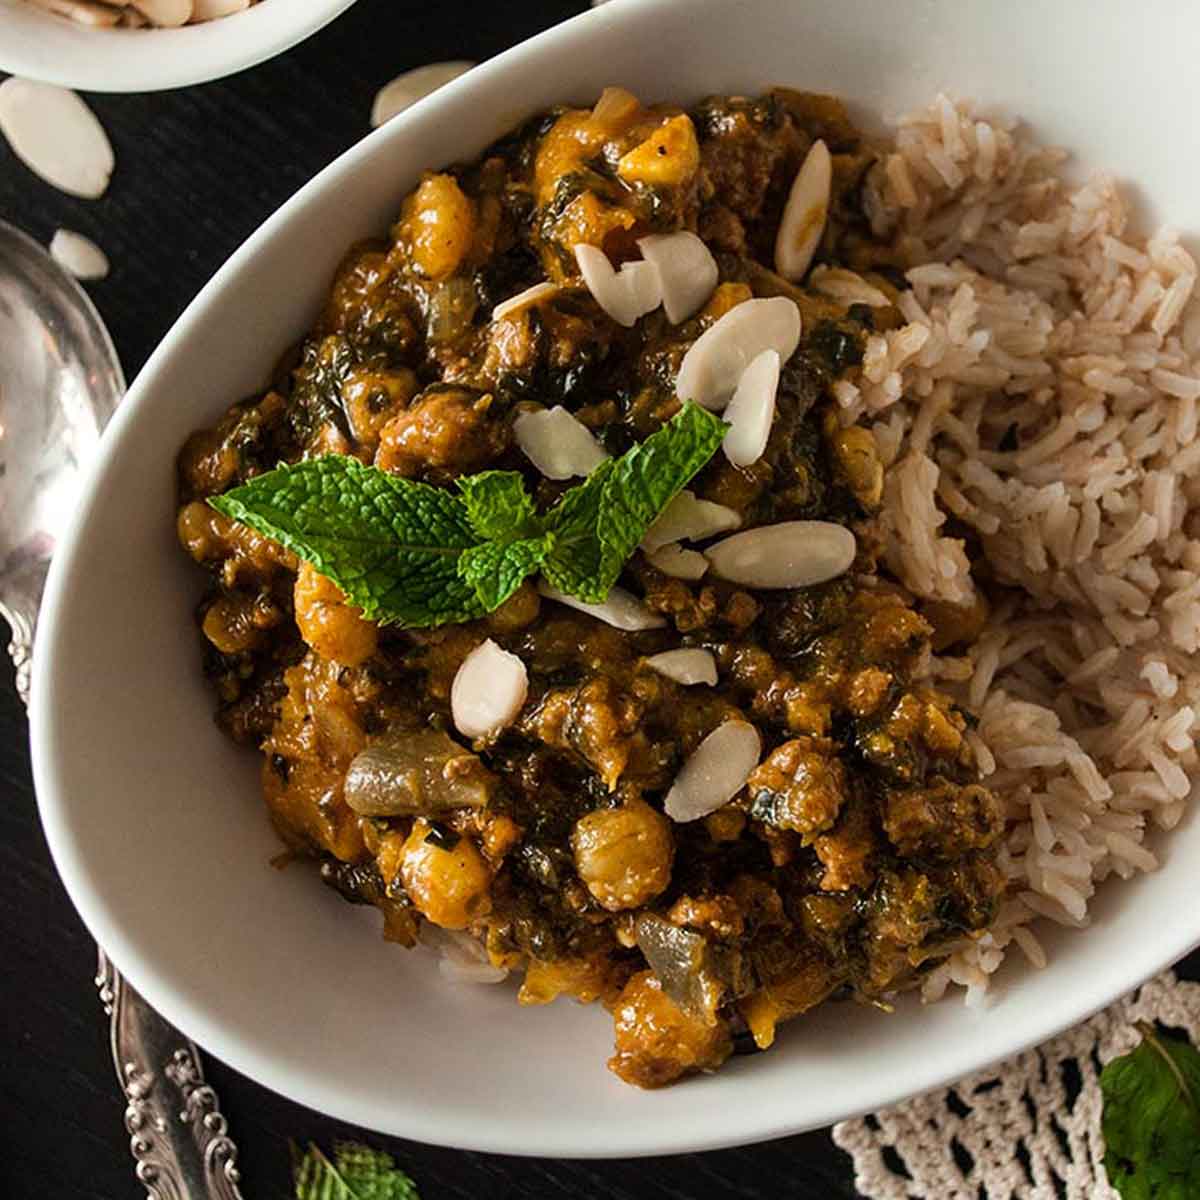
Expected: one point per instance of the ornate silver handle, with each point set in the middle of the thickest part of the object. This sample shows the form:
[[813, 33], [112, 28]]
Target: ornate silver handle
[[59, 383], [177, 1135]]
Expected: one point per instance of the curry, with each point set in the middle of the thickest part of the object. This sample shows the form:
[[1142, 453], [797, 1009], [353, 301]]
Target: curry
[[862, 845]]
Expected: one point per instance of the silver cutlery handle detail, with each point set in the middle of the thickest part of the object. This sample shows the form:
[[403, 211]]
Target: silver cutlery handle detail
[[177, 1135]]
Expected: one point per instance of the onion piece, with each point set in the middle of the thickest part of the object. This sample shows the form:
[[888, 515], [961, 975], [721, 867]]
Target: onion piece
[[461, 958], [54, 133], [406, 89], [625, 295], [715, 772], [752, 410], [488, 691], [527, 298], [687, 269], [420, 773], [717, 359], [687, 666], [78, 255], [689, 519], [678, 562], [621, 609], [792, 554], [804, 214], [557, 443]]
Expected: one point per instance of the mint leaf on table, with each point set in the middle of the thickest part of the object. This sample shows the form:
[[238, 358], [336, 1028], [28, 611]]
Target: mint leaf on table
[[356, 1173], [496, 569], [390, 544], [600, 523], [497, 504], [1151, 1119], [418, 555]]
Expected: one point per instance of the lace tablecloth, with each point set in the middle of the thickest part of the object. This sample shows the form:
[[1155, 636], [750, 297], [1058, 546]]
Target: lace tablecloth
[[1028, 1129]]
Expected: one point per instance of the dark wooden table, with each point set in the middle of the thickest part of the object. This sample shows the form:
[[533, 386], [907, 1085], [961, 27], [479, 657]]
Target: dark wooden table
[[197, 171]]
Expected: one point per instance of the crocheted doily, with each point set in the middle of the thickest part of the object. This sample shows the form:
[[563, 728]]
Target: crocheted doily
[[1027, 1130]]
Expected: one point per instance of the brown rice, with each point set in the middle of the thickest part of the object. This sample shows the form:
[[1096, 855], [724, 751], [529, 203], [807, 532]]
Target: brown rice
[[1043, 393]]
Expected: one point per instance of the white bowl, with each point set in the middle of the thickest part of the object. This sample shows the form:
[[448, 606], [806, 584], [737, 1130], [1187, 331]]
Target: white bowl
[[154, 818], [41, 45]]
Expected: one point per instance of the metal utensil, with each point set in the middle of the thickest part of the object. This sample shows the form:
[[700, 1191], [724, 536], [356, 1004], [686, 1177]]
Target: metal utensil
[[60, 381]]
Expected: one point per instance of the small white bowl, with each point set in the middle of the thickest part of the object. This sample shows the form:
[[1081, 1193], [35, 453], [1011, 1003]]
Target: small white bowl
[[42, 45], [155, 820]]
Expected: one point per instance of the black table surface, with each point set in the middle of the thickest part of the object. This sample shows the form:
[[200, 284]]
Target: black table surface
[[197, 171]]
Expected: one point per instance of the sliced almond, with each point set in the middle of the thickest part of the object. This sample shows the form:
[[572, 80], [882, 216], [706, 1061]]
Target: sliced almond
[[526, 299], [169, 14], [689, 519], [625, 295], [78, 255], [406, 89], [211, 10], [687, 666], [752, 410], [687, 269], [557, 443], [82, 11], [792, 554], [804, 214], [716, 360], [716, 771], [488, 691], [56, 136], [678, 562], [622, 609], [847, 287]]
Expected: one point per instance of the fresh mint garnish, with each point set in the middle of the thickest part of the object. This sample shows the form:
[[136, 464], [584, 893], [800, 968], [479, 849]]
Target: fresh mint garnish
[[356, 1172], [418, 555], [1151, 1119], [390, 544]]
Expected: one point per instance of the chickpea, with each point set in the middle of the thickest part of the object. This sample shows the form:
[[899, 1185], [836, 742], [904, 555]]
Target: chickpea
[[624, 854], [334, 629], [451, 887], [857, 457], [669, 157], [439, 225]]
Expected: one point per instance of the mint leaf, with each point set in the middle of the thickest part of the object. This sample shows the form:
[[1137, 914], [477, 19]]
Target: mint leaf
[[390, 544], [576, 564], [497, 504], [600, 523], [357, 1173], [418, 555], [496, 569], [1151, 1119]]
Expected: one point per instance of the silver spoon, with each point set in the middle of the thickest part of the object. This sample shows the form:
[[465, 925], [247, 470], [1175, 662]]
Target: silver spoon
[[60, 381]]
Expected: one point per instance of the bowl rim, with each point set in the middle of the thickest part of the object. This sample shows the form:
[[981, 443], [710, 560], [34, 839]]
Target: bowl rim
[[152, 59], [1143, 958]]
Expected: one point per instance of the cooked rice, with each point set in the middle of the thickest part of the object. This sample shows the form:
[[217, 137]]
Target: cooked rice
[[1035, 314]]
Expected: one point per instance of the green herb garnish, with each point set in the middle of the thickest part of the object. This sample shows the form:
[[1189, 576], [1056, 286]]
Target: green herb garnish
[[356, 1173], [418, 555], [1151, 1119]]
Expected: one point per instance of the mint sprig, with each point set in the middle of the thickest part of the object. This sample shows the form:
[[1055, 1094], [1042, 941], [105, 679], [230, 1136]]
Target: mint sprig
[[417, 555], [356, 1172], [1151, 1119]]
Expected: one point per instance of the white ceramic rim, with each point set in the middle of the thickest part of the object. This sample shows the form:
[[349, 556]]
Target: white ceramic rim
[[36, 44], [1141, 958]]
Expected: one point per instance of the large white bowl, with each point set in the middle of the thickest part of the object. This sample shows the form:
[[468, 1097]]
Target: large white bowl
[[42, 45], [154, 819]]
